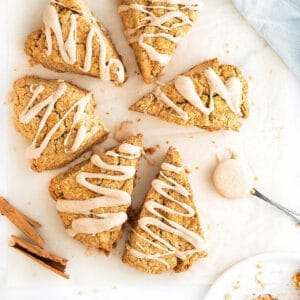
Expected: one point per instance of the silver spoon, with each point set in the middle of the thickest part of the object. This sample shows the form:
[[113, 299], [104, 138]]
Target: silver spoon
[[294, 215]]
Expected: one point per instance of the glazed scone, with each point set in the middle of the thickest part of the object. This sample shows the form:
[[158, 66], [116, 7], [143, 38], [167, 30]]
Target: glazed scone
[[58, 118], [92, 198], [71, 40], [210, 96], [154, 29], [167, 234]]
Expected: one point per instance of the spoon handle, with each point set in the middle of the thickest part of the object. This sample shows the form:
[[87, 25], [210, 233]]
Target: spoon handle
[[294, 215]]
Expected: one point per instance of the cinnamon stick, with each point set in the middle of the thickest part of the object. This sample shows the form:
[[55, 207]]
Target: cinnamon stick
[[24, 223], [48, 260]]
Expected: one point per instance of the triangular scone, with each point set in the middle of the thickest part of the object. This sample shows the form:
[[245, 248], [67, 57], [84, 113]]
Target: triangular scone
[[92, 198], [71, 40], [58, 118], [167, 234], [210, 96], [154, 29]]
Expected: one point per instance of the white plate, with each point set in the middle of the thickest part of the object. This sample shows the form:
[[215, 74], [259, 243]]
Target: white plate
[[269, 273]]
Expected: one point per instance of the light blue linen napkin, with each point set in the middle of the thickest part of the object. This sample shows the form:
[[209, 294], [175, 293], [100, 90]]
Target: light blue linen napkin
[[278, 21]]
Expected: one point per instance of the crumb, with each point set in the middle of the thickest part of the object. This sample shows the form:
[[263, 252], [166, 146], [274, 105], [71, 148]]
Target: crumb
[[138, 120], [250, 77], [150, 150], [213, 142], [227, 51], [296, 281], [237, 285], [259, 281], [167, 142], [107, 113], [137, 72], [187, 170], [270, 71], [298, 225], [256, 178], [191, 136], [227, 296], [148, 160], [158, 146], [259, 266], [196, 168], [124, 130], [91, 251]]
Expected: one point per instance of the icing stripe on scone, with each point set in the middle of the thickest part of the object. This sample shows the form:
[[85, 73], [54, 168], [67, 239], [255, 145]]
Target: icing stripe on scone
[[168, 225], [191, 3], [68, 48], [158, 21], [231, 92], [95, 223], [32, 110], [171, 168]]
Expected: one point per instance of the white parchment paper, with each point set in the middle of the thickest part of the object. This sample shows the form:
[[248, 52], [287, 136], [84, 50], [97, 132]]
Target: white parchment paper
[[233, 229]]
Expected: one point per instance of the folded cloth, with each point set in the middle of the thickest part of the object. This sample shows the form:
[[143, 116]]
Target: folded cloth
[[278, 21]]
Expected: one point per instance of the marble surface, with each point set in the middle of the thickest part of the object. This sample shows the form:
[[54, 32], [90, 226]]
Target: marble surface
[[224, 31]]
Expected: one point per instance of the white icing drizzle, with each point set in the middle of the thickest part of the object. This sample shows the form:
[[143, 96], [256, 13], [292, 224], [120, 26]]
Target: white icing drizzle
[[185, 87], [231, 92], [135, 151], [158, 21], [108, 197], [31, 111], [191, 4], [168, 225], [160, 95], [171, 168], [68, 48]]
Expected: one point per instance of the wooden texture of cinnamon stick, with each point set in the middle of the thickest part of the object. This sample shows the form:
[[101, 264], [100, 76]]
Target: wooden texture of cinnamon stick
[[48, 260], [24, 223]]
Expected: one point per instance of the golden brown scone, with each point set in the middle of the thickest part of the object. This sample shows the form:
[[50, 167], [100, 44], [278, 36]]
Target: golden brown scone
[[222, 117], [296, 281], [266, 297], [29, 119], [70, 54], [66, 187], [144, 250], [176, 20]]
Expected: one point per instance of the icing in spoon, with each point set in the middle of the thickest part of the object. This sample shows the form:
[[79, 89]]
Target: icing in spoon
[[233, 179]]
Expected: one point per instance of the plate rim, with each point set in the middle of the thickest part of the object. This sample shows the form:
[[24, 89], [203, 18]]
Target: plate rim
[[268, 255]]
